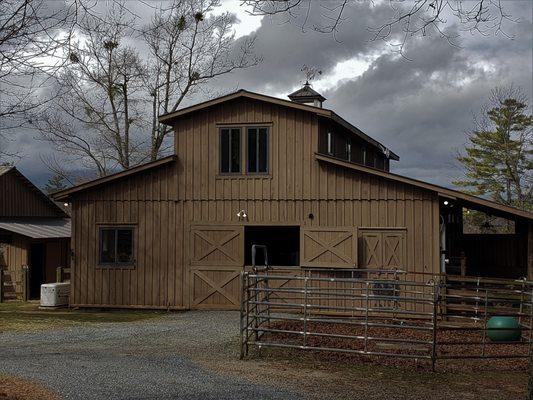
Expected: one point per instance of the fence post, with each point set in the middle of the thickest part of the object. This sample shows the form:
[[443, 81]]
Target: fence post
[[485, 322], [366, 316], [436, 299], [305, 310], [1, 285], [25, 283], [241, 321]]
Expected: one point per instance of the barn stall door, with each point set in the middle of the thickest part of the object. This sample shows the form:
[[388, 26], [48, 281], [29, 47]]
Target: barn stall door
[[328, 247], [216, 260], [382, 248]]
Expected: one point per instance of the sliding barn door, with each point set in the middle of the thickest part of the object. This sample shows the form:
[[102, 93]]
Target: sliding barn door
[[216, 260], [328, 247], [382, 248]]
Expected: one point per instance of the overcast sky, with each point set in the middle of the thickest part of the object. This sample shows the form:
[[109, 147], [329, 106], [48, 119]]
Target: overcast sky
[[418, 106]]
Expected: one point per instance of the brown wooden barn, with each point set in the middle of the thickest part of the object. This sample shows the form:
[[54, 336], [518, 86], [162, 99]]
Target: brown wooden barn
[[291, 175], [34, 233]]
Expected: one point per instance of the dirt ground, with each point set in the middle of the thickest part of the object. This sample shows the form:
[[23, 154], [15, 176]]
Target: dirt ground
[[12, 388]]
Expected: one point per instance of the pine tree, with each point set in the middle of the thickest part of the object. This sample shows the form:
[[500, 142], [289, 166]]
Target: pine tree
[[54, 184], [497, 158]]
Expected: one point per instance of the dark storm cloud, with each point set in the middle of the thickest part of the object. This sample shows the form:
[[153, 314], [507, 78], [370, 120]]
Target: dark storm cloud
[[418, 108]]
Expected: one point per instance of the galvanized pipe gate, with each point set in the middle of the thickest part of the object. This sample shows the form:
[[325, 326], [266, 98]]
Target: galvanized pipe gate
[[387, 313]]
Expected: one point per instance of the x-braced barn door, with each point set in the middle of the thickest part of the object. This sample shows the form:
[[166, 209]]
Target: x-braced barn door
[[216, 260], [328, 247], [382, 248]]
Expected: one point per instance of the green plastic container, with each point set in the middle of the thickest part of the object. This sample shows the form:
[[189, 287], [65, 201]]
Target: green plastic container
[[495, 330]]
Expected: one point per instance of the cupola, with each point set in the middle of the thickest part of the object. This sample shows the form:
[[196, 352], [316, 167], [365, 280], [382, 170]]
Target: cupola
[[307, 95]]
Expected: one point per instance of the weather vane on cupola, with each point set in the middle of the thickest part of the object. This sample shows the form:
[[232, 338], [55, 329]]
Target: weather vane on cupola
[[310, 73], [307, 95]]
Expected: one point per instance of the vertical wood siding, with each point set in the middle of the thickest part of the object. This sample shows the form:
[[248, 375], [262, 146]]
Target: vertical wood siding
[[166, 203], [18, 199]]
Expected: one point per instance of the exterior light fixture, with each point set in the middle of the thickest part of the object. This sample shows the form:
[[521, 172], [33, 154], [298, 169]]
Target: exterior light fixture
[[446, 202]]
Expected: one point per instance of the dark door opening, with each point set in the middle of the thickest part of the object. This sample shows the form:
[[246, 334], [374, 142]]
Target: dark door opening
[[36, 269], [282, 242]]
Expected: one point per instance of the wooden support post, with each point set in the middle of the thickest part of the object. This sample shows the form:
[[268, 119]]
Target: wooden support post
[[25, 283], [1, 285], [530, 251], [59, 274], [463, 264]]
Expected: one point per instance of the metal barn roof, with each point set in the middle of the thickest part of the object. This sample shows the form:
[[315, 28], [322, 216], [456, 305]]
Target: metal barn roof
[[38, 228]]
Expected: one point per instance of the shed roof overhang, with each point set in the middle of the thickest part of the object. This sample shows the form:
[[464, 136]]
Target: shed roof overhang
[[467, 200], [322, 112], [66, 193], [38, 228]]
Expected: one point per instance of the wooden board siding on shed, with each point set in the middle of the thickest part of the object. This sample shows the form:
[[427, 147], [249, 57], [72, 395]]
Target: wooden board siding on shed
[[18, 199]]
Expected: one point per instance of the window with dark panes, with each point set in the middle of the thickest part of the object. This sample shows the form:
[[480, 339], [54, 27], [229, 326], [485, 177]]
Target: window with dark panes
[[230, 150], [257, 150], [116, 246]]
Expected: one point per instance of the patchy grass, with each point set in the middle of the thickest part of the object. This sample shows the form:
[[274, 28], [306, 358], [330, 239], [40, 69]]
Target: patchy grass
[[12, 388], [18, 316]]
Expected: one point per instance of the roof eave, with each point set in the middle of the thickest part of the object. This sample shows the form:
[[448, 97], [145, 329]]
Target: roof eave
[[66, 193], [439, 190], [361, 134], [169, 117]]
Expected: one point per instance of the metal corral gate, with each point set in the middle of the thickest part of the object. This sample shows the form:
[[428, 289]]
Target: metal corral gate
[[387, 313]]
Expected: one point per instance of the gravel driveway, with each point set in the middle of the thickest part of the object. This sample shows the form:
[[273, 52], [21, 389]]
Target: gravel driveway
[[150, 359]]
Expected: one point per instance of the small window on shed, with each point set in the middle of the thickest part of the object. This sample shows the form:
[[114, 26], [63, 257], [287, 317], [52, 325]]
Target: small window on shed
[[116, 246]]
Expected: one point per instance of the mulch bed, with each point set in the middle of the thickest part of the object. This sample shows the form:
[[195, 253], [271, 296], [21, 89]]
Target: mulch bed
[[12, 388], [401, 348]]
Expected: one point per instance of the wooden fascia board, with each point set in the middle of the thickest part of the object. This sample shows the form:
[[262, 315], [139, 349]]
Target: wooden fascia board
[[64, 194], [167, 118], [441, 191]]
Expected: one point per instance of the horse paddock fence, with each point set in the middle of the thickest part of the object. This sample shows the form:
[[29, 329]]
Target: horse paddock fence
[[385, 313]]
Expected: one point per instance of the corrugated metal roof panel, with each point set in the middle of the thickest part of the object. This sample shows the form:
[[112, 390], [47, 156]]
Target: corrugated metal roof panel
[[38, 228]]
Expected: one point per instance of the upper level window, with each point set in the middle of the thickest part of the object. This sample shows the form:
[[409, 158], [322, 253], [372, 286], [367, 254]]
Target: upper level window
[[363, 153], [349, 151], [257, 150], [230, 150], [330, 143], [115, 246]]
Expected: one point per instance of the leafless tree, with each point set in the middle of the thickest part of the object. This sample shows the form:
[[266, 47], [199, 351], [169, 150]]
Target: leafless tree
[[31, 33], [409, 18], [97, 106], [187, 49], [108, 98]]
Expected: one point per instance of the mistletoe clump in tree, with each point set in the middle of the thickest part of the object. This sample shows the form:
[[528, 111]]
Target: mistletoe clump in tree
[[497, 158]]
